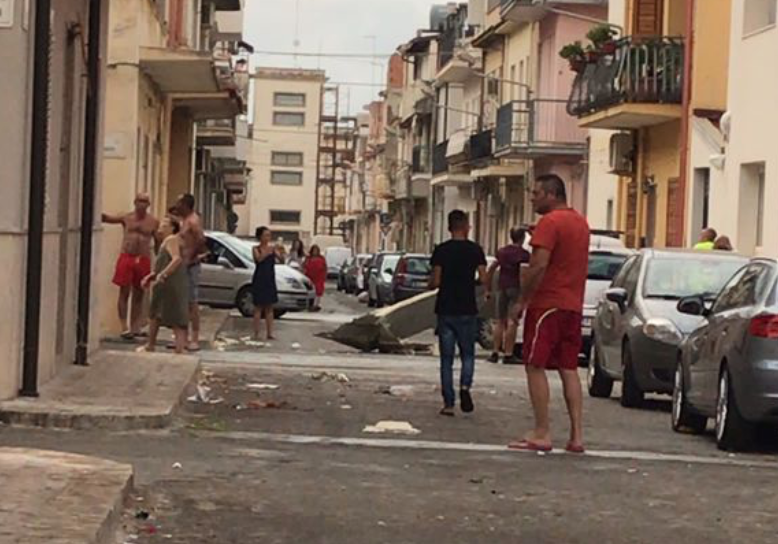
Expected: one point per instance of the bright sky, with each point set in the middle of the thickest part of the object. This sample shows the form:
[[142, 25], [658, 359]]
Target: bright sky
[[335, 26]]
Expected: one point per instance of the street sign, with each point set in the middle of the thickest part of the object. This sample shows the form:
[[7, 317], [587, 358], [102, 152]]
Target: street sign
[[6, 13]]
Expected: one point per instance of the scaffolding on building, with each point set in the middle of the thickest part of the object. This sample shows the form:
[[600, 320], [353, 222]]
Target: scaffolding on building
[[335, 157]]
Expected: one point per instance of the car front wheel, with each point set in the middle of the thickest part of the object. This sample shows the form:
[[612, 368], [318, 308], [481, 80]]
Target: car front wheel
[[683, 418], [733, 432], [631, 394], [600, 386]]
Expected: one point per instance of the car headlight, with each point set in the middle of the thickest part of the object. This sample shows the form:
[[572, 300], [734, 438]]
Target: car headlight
[[662, 330], [294, 283]]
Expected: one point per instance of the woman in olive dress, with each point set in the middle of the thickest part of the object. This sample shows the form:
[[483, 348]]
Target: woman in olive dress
[[169, 288]]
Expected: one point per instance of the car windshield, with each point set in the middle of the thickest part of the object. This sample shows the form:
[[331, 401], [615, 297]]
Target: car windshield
[[604, 266], [675, 278], [243, 248], [390, 262], [419, 266]]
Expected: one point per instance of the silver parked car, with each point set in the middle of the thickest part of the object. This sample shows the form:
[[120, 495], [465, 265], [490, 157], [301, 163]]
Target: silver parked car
[[728, 366], [225, 280], [638, 329], [379, 283]]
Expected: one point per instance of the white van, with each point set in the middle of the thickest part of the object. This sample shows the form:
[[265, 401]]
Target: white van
[[335, 257]]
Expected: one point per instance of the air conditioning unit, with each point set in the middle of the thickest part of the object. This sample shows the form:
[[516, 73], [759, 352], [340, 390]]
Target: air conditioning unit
[[622, 148], [492, 87]]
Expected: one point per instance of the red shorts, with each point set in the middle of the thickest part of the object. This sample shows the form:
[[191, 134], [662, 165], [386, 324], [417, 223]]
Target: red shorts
[[552, 338], [131, 269]]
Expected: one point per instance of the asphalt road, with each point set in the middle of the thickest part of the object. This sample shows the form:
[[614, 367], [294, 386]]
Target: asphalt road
[[284, 457]]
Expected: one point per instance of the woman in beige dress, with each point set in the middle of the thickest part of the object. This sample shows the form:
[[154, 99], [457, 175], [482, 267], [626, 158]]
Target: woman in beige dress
[[169, 288]]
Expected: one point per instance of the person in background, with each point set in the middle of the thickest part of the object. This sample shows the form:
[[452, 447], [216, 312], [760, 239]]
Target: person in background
[[280, 253], [296, 257], [134, 263], [193, 251], [707, 240], [723, 243], [552, 292], [509, 261], [263, 285], [316, 270], [169, 285], [454, 267]]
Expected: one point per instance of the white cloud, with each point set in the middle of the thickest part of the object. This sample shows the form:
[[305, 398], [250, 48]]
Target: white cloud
[[335, 26]]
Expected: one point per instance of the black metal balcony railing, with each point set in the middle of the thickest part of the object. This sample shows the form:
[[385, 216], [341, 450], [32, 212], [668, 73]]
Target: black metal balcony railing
[[421, 159], [480, 146], [439, 161], [639, 71], [538, 126]]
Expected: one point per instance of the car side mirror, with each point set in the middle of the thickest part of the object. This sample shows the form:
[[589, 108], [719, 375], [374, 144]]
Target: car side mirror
[[693, 306], [225, 263], [388, 271], [618, 296]]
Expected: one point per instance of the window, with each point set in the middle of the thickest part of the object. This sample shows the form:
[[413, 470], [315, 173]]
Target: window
[[758, 15], [609, 214], [285, 217], [289, 100], [621, 278], [672, 278], [751, 210], [604, 266], [748, 287], [216, 251], [280, 177], [288, 119], [281, 158]]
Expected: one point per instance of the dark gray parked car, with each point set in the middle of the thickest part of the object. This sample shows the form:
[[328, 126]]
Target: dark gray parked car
[[638, 328], [380, 280], [728, 367]]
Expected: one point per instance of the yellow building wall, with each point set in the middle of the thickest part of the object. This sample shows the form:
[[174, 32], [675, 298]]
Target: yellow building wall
[[660, 159], [711, 54]]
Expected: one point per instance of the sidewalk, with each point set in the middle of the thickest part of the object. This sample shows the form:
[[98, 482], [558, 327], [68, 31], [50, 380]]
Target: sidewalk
[[59, 498], [119, 391]]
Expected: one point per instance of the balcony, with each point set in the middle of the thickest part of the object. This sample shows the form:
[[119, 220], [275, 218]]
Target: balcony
[[439, 160], [480, 147], [216, 132], [639, 85], [537, 128], [421, 160]]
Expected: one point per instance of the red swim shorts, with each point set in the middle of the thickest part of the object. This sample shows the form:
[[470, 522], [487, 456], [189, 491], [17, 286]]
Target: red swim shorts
[[131, 269], [552, 338]]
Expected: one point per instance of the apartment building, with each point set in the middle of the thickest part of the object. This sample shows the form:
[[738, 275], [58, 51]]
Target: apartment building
[[52, 114], [284, 151], [739, 202], [170, 67]]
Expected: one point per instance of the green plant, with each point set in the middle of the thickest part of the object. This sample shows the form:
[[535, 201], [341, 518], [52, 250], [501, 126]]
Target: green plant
[[601, 34], [572, 51]]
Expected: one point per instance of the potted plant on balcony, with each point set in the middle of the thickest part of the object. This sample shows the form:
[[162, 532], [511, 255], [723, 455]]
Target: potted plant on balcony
[[602, 40], [574, 54]]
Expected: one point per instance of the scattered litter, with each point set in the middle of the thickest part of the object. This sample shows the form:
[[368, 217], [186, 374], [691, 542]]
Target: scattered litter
[[256, 344], [401, 390], [330, 376], [245, 339], [632, 471], [130, 539], [203, 395], [396, 427], [262, 386], [345, 407], [178, 466], [142, 514], [382, 524], [322, 352], [363, 297], [441, 518], [259, 404], [239, 407], [296, 345], [225, 341], [476, 480]]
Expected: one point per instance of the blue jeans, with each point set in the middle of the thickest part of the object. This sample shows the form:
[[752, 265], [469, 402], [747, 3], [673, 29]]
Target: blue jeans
[[453, 331]]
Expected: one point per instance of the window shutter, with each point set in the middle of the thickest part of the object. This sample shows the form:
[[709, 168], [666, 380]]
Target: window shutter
[[675, 206], [647, 19]]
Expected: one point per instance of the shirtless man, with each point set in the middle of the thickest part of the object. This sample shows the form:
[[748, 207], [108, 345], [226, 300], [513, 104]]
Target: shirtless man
[[193, 251], [134, 263]]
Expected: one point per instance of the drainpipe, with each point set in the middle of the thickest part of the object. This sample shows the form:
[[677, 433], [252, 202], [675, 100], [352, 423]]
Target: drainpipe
[[685, 116], [91, 129], [37, 203]]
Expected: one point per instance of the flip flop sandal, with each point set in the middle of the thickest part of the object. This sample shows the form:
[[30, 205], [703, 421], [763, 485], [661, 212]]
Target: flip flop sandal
[[572, 448], [449, 412], [529, 445]]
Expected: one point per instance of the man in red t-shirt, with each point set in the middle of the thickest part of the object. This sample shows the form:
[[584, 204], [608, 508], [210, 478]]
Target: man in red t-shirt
[[552, 293]]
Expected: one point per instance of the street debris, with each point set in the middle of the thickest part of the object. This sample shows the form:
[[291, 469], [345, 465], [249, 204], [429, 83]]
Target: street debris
[[256, 344], [363, 297], [296, 345], [263, 386], [382, 524], [142, 514], [345, 407], [400, 390], [330, 376], [203, 395], [394, 427], [261, 404], [632, 471], [476, 480], [177, 465]]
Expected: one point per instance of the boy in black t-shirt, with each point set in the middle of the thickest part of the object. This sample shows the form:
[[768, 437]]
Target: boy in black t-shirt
[[454, 267]]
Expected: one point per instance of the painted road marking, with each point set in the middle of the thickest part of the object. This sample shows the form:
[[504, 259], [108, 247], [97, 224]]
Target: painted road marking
[[399, 443]]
